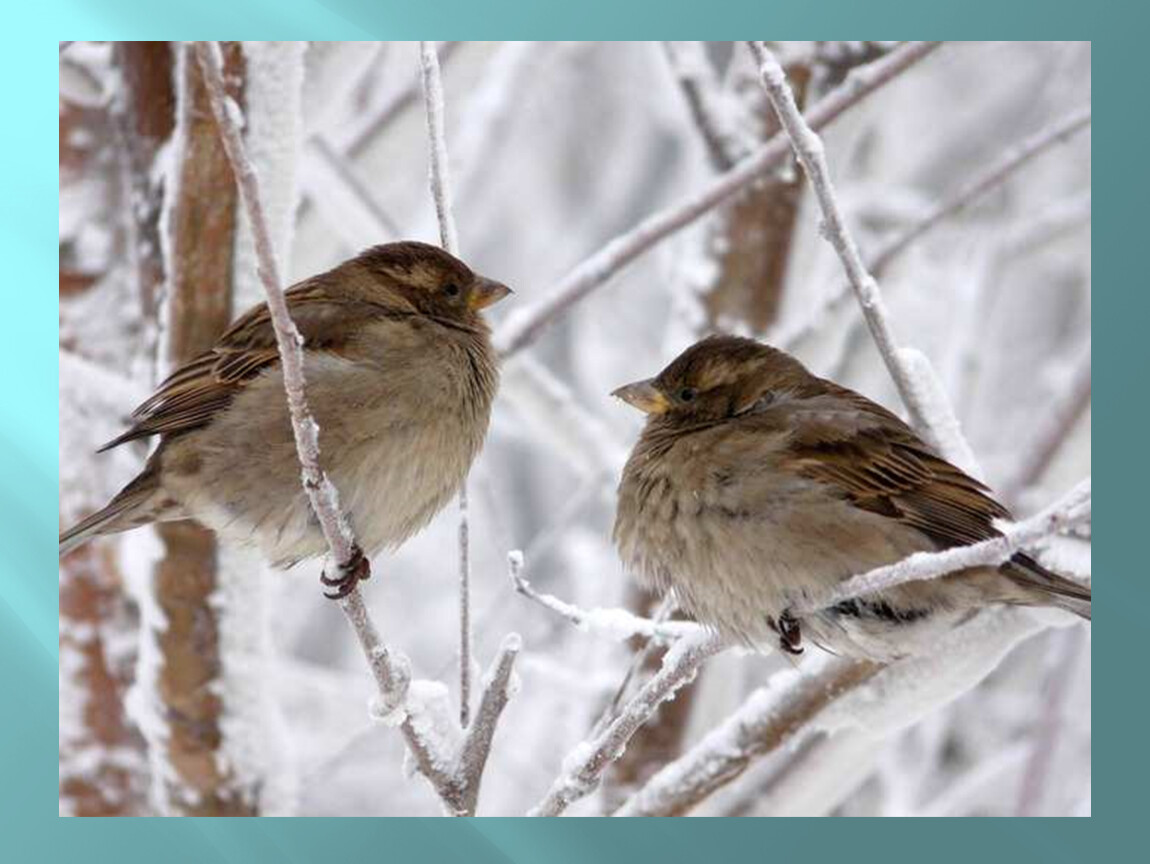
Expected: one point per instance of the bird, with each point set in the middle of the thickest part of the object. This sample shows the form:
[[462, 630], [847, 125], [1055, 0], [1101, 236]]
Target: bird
[[400, 377], [756, 487]]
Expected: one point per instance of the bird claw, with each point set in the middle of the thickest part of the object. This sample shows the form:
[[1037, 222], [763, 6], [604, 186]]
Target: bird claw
[[790, 634], [350, 575]]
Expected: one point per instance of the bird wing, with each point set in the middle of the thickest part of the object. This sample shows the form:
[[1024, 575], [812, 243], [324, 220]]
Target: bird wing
[[205, 385], [875, 461]]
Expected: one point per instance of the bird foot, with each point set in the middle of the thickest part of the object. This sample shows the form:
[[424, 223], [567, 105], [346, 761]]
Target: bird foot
[[790, 634], [350, 575]]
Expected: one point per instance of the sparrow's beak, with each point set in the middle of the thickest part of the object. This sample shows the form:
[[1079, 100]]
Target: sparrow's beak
[[487, 293], [645, 396]]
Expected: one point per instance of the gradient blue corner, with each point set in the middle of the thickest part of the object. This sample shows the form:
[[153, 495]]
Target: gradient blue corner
[[29, 433]]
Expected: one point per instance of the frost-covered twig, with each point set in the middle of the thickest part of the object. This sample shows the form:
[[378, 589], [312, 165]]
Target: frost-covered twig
[[617, 623], [1057, 425], [926, 390], [498, 687], [766, 720], [440, 170], [441, 194], [991, 177], [391, 673], [1071, 510], [525, 325], [700, 87], [383, 115], [584, 766], [811, 154]]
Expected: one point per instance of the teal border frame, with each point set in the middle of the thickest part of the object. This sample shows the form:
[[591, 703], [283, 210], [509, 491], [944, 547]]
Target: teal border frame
[[28, 441]]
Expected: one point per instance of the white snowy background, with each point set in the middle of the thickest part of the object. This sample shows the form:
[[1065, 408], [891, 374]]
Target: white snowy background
[[556, 148]]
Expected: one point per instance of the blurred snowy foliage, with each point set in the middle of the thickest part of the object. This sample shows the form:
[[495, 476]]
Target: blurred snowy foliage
[[555, 148]]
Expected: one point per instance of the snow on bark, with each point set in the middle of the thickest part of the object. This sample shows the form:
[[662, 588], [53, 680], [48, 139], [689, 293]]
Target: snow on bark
[[617, 624], [103, 766], [585, 763]]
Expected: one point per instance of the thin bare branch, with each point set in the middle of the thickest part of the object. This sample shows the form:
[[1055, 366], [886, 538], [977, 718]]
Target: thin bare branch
[[1071, 510], [441, 193], [584, 766], [617, 623], [525, 325]]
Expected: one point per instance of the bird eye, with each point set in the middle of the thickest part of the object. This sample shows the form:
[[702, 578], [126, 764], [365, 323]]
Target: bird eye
[[451, 289], [687, 394]]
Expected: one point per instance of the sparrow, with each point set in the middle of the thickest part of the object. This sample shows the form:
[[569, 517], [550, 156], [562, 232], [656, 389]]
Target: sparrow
[[400, 376], [756, 487]]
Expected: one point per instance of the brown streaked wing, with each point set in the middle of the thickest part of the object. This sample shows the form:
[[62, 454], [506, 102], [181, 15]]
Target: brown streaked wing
[[880, 465], [195, 392]]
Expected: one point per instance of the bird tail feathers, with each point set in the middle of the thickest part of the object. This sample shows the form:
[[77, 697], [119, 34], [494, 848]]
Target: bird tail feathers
[[1055, 590], [127, 510]]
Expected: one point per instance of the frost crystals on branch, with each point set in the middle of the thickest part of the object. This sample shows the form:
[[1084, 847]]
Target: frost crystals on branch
[[617, 623], [584, 766], [455, 775]]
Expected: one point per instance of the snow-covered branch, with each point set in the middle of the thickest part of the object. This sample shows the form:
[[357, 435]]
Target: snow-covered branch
[[584, 766], [441, 194], [391, 673], [838, 698], [498, 686], [765, 721], [616, 623], [440, 170], [524, 326], [1071, 510], [811, 154]]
